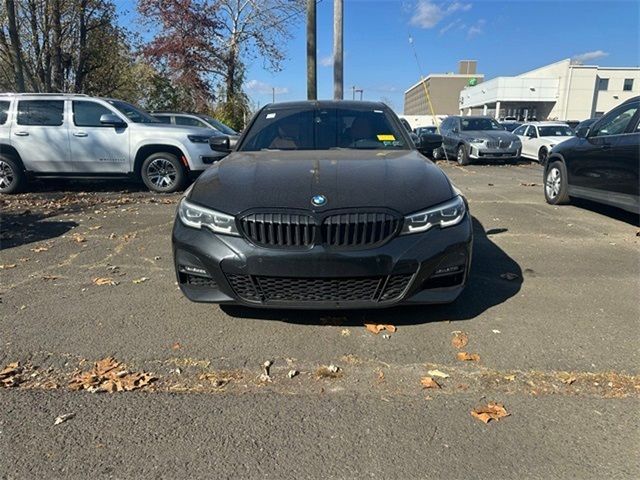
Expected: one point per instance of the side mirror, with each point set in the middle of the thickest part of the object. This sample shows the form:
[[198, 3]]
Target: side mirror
[[220, 143], [582, 132], [112, 120]]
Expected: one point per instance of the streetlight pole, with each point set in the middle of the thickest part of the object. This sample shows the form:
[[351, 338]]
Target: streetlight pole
[[312, 83], [338, 50]]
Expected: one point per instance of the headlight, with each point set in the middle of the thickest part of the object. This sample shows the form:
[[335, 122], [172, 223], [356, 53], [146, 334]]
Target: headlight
[[198, 138], [195, 216], [477, 140], [444, 215]]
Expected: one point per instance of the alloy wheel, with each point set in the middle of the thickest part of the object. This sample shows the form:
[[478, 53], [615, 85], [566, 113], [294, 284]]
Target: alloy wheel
[[162, 173], [460, 154], [7, 175], [552, 185]]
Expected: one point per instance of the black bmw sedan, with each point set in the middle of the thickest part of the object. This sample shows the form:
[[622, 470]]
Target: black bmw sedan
[[322, 205]]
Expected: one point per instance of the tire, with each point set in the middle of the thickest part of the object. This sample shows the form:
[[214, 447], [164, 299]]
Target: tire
[[438, 154], [543, 156], [162, 172], [12, 176], [556, 188], [462, 156]]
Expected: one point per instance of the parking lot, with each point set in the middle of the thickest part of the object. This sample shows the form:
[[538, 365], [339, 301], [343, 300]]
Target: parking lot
[[551, 309]]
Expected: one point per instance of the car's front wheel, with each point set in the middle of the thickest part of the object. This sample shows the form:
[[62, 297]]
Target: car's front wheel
[[163, 173], [462, 156], [12, 175], [438, 153], [556, 187]]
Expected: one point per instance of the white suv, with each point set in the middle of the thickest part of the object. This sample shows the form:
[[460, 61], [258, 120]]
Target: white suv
[[65, 135]]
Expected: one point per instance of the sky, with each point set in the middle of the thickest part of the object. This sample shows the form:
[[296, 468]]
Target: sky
[[505, 37]]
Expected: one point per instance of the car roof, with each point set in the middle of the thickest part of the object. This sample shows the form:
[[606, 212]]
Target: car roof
[[325, 104], [549, 123]]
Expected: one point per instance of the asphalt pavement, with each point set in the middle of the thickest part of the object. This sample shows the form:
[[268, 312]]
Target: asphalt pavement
[[551, 309]]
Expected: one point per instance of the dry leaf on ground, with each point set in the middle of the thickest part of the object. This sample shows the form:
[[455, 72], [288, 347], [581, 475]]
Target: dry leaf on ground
[[8, 266], [63, 418], [108, 375], [429, 382], [509, 276], [39, 249], [468, 357], [9, 375], [330, 371], [376, 328], [104, 281], [492, 411], [528, 184], [78, 238], [568, 380], [459, 340], [292, 373], [140, 280], [49, 277], [95, 227], [438, 373]]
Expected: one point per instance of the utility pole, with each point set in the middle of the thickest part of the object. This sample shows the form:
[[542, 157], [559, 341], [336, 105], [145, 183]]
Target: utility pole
[[338, 49], [312, 82], [273, 94]]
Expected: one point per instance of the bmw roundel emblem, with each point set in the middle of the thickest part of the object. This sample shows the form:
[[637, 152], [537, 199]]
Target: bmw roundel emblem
[[319, 200]]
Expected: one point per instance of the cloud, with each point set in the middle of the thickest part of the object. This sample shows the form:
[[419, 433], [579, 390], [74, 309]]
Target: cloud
[[257, 86], [589, 56], [429, 13], [456, 23], [476, 29], [326, 61]]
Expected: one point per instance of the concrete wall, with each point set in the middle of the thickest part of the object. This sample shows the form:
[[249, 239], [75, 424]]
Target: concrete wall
[[444, 91]]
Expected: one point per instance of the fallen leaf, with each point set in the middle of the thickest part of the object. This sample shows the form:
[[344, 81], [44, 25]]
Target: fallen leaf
[[8, 266], [39, 249], [438, 373], [95, 227], [108, 375], [345, 332], [49, 277], [468, 357], [376, 328], [428, 382], [10, 375], [459, 340], [525, 184], [104, 281], [496, 331], [63, 418], [292, 373], [568, 380], [509, 276], [78, 238], [492, 411], [330, 371], [140, 280], [511, 377], [176, 346]]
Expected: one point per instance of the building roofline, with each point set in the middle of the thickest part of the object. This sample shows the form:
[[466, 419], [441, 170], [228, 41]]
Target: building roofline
[[445, 75]]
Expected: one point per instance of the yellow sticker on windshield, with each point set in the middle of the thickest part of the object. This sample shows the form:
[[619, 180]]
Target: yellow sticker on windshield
[[386, 138]]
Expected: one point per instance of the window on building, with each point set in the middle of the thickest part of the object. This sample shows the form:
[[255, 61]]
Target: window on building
[[40, 112], [603, 84], [628, 84]]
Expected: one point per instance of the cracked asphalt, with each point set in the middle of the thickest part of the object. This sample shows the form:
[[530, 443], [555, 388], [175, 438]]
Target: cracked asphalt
[[558, 347]]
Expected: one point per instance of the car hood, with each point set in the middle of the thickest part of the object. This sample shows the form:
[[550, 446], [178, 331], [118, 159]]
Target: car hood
[[485, 134], [401, 180]]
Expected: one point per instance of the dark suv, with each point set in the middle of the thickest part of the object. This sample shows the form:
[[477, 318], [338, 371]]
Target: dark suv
[[600, 163]]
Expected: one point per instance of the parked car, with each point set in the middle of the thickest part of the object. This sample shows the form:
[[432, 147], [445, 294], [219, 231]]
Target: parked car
[[476, 138], [539, 138], [54, 135], [427, 140], [584, 124], [510, 125], [197, 120], [601, 163], [323, 205]]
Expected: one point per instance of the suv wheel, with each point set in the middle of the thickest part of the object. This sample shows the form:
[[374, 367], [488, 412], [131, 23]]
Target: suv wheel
[[438, 154], [556, 188], [163, 173], [11, 175], [462, 156]]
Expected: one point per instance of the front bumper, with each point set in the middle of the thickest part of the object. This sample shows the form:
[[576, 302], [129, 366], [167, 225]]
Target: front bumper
[[479, 153], [201, 156], [426, 268]]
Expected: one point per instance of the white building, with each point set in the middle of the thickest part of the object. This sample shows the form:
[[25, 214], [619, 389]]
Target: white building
[[560, 91]]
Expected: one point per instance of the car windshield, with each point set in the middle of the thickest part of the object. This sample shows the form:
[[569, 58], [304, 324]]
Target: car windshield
[[480, 124], [218, 125], [132, 113], [555, 131], [308, 128]]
